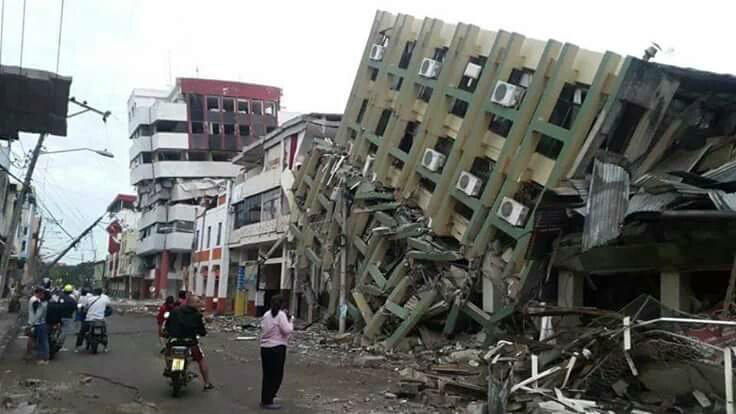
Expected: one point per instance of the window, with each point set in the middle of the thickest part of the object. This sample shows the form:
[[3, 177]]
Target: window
[[214, 128], [549, 147], [228, 104], [408, 139], [406, 54], [257, 107], [197, 156], [248, 211], [25, 231], [361, 112], [500, 125], [183, 226], [244, 130], [196, 107], [213, 103], [269, 129], [169, 156], [171, 126], [197, 127], [209, 236], [270, 108], [271, 204], [229, 129], [23, 246], [383, 122], [196, 239], [218, 156], [219, 233], [424, 93], [146, 157], [243, 106], [459, 108], [201, 242]]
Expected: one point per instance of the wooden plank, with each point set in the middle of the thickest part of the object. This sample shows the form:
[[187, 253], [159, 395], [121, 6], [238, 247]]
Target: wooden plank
[[424, 303]]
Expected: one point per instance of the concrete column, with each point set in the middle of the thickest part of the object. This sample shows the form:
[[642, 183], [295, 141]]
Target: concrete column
[[163, 275], [570, 294], [674, 290]]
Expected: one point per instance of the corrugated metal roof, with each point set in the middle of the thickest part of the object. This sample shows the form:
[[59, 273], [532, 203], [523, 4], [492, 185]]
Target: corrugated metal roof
[[650, 202], [607, 204], [723, 201], [724, 173]]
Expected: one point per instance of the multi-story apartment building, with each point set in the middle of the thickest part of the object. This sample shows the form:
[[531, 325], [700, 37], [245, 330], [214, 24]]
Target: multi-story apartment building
[[182, 140], [250, 219], [124, 272]]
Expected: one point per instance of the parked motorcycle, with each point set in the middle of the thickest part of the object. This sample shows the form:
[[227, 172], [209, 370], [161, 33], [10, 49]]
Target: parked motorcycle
[[54, 339], [96, 335]]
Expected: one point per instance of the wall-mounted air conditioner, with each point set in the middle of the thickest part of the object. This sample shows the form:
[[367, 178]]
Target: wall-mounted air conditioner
[[469, 184], [430, 68], [376, 52], [506, 94], [472, 70], [512, 212], [433, 160]]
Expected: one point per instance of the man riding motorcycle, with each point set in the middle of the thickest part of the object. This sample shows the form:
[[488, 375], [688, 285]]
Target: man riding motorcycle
[[68, 307], [185, 323], [97, 307]]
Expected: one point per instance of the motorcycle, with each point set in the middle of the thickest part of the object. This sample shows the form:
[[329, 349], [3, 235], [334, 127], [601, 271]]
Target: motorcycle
[[96, 335], [178, 356], [54, 339]]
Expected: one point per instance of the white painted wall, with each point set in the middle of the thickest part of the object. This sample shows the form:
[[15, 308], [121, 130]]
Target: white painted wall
[[183, 169]]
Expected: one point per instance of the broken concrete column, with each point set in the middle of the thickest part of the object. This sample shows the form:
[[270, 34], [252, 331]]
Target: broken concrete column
[[674, 290]]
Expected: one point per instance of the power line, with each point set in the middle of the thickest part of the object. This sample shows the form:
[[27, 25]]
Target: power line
[[58, 47], [23, 35], [2, 30]]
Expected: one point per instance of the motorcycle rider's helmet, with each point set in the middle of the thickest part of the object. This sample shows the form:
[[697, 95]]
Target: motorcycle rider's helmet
[[68, 289]]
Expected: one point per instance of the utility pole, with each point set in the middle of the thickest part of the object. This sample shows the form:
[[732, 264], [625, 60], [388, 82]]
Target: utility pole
[[17, 211], [71, 246], [343, 262]]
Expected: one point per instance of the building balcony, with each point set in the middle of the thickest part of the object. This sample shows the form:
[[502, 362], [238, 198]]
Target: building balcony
[[159, 141], [259, 183], [181, 212], [159, 111], [183, 169], [177, 242]]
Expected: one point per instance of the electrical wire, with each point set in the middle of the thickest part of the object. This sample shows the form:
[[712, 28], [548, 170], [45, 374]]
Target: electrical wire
[[23, 35], [2, 30], [58, 47]]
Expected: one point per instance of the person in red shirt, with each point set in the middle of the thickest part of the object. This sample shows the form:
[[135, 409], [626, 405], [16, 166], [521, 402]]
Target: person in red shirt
[[168, 306]]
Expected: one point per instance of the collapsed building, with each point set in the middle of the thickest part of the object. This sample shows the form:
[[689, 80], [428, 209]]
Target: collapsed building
[[564, 202]]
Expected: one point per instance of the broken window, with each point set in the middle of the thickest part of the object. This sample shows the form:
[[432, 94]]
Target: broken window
[[408, 139], [196, 107], [520, 77], [549, 147], [482, 168], [459, 108], [219, 156], [229, 129], [568, 105], [271, 204], [197, 156], [256, 107], [171, 126], [146, 157], [471, 75], [197, 127], [169, 156], [444, 145], [361, 112], [424, 93], [383, 122], [372, 73], [406, 54], [244, 130], [243, 106], [228, 104], [427, 184], [440, 53], [214, 128], [464, 210], [500, 126], [269, 108], [213, 103]]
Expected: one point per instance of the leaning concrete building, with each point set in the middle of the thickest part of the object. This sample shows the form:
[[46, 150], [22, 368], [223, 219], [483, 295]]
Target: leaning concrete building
[[182, 142], [550, 164]]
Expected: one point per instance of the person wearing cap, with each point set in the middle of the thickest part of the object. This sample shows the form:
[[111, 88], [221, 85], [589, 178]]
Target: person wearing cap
[[67, 306]]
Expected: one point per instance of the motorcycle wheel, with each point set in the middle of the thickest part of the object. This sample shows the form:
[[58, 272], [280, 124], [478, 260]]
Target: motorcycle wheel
[[176, 385]]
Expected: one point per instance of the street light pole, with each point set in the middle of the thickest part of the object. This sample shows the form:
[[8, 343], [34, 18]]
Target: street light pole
[[17, 210], [104, 153]]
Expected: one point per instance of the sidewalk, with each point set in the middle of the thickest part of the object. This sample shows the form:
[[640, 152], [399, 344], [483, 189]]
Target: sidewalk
[[10, 323]]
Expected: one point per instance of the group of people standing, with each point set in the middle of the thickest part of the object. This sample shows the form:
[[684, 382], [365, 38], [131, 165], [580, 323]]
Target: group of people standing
[[47, 309], [185, 320]]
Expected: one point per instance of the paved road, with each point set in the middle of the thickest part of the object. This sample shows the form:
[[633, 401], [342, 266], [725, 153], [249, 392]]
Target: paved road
[[133, 369]]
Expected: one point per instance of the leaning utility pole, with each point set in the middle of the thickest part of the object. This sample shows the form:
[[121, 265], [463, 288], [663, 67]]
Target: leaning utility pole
[[71, 246], [17, 211], [343, 262]]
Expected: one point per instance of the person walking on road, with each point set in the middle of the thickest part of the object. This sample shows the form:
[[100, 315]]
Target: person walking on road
[[37, 307], [276, 326]]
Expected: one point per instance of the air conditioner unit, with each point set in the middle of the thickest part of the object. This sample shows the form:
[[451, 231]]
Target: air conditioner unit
[[472, 70], [506, 94], [469, 184], [368, 166], [430, 68], [433, 160], [376, 52], [513, 212]]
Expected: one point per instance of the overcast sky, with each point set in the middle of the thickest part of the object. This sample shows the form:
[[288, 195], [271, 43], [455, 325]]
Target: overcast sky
[[309, 49]]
